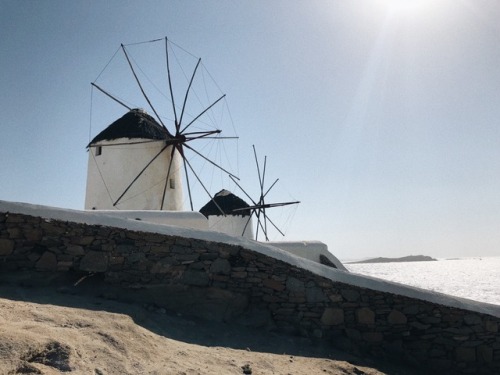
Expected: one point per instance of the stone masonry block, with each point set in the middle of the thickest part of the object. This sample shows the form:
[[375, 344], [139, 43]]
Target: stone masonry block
[[273, 284], [465, 354], [6, 246], [295, 285], [94, 261], [332, 316], [396, 317], [220, 266], [47, 262], [314, 295], [365, 316]]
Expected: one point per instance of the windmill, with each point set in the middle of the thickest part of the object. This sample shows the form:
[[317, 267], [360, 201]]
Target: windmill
[[149, 151], [259, 207]]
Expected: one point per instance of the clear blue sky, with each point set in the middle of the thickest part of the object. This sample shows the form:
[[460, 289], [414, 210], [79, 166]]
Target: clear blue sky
[[381, 117]]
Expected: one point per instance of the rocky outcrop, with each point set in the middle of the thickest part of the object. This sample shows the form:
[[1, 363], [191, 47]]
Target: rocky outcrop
[[409, 258]]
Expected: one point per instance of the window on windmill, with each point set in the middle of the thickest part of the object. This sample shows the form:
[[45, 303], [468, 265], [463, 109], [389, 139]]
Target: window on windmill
[[172, 183], [98, 150]]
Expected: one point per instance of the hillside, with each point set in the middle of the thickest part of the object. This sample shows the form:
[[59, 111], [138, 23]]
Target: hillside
[[45, 331], [410, 258]]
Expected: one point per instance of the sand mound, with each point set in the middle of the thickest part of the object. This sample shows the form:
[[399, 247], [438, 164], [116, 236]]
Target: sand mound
[[46, 332]]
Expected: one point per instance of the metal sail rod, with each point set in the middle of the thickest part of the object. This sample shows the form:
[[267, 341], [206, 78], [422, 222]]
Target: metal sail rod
[[201, 135], [268, 190], [187, 92], [246, 224], [111, 96], [187, 180], [258, 169], [139, 175], [170, 86], [264, 230], [266, 205], [202, 113], [265, 222], [207, 135], [167, 178], [248, 196], [274, 225], [217, 138], [204, 188], [204, 132], [210, 161], [264, 175], [259, 225], [140, 86]]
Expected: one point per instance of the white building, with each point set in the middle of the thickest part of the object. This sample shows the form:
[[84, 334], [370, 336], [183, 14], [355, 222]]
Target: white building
[[234, 219], [127, 178], [128, 166]]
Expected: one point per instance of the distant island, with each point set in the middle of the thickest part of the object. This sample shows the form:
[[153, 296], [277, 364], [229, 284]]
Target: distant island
[[410, 258]]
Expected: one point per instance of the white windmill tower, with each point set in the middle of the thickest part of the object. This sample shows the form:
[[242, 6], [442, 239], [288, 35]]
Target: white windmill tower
[[259, 207], [131, 166], [136, 162], [235, 218]]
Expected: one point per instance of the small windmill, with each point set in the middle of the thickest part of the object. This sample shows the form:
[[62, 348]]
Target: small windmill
[[260, 206], [167, 146]]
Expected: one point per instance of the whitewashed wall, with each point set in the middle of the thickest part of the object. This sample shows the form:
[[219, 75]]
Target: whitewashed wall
[[184, 219], [109, 174], [232, 225], [309, 250]]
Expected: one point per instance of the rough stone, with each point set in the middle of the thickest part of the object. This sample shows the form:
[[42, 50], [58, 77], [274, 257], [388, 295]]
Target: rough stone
[[350, 295], [75, 250], [94, 261], [64, 265], [420, 326], [33, 234], [353, 334], [465, 354], [125, 248], [472, 319], [295, 285], [47, 262], [485, 354], [332, 316], [195, 277], [83, 241], [490, 326], [6, 246], [15, 233], [373, 336], [396, 317], [239, 274], [273, 284], [314, 295], [220, 266], [335, 297], [365, 315]]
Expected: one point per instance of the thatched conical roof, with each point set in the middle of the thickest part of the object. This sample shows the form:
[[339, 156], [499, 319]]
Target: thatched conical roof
[[134, 124], [228, 202]]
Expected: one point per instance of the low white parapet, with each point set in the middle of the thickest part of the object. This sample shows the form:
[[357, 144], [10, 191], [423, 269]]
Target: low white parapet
[[309, 250], [184, 219]]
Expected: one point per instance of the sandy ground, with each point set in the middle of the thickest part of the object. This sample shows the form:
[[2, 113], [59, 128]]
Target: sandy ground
[[49, 330]]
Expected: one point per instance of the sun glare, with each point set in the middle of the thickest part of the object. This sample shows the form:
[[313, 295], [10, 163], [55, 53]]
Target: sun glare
[[407, 7]]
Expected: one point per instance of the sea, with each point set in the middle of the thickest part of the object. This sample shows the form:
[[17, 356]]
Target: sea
[[477, 278]]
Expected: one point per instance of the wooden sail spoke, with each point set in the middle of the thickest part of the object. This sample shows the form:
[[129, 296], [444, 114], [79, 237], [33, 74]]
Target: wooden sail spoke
[[140, 86]]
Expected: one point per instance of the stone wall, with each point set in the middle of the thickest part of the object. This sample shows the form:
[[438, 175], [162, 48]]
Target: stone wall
[[234, 283]]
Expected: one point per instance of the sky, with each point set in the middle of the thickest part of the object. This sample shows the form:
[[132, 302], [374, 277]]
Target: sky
[[381, 117]]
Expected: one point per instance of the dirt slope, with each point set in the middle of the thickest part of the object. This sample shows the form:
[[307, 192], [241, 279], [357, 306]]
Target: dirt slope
[[44, 331]]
